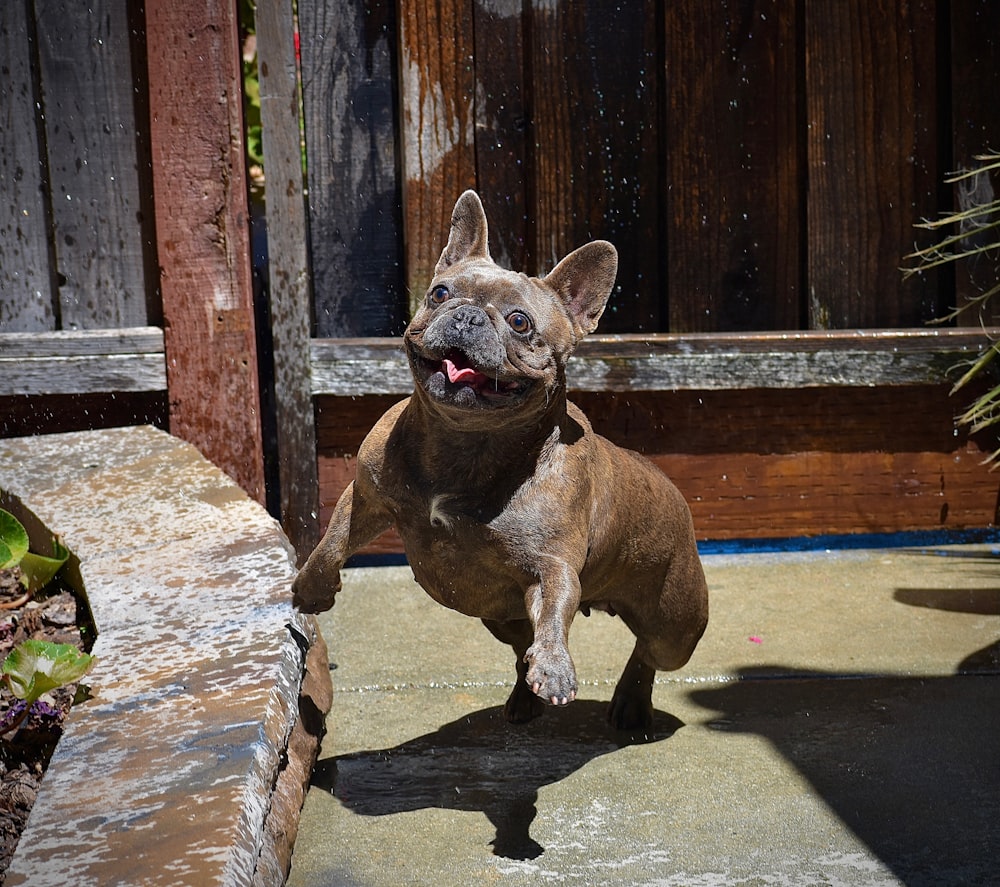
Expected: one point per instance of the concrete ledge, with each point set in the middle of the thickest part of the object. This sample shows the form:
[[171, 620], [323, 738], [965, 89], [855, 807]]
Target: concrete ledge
[[189, 764]]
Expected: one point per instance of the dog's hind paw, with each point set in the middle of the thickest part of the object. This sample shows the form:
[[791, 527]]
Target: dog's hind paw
[[630, 712], [522, 705]]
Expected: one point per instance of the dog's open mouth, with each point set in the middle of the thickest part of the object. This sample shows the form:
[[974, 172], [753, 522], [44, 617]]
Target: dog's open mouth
[[456, 379]]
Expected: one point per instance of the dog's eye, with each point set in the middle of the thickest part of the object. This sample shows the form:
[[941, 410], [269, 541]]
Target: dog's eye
[[438, 295], [519, 323]]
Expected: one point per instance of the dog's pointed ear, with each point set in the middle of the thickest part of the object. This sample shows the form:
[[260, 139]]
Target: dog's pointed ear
[[468, 236], [583, 280]]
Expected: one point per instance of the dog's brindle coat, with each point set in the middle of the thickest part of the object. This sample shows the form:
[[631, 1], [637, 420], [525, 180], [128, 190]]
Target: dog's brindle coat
[[510, 507]]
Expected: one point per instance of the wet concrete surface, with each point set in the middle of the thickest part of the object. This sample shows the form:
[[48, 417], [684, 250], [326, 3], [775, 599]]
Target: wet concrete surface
[[839, 724]]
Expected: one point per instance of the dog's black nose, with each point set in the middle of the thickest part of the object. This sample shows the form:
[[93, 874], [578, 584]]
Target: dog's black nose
[[468, 315]]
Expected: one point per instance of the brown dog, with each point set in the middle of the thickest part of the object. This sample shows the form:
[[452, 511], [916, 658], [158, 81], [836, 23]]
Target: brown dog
[[510, 507]]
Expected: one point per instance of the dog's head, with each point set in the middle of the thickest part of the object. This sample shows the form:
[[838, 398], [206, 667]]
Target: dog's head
[[491, 340]]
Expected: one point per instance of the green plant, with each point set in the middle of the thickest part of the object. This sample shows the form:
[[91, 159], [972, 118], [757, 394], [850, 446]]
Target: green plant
[[36, 570], [977, 238], [34, 668]]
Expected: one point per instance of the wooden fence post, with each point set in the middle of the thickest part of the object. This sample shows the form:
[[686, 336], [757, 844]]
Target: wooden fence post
[[202, 232], [288, 275]]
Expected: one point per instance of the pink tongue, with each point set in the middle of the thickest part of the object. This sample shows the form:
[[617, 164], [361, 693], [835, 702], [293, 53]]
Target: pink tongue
[[466, 374]]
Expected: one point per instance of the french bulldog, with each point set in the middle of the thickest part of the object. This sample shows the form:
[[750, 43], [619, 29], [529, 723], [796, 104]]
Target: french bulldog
[[510, 507]]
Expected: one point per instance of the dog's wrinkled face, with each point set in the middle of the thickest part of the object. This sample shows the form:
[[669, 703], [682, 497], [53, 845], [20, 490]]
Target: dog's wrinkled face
[[488, 339]]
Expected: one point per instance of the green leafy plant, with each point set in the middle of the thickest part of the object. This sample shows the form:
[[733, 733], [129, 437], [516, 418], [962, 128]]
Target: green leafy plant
[[36, 570], [971, 235], [34, 668]]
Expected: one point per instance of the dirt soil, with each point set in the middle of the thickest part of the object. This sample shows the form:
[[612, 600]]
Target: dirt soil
[[56, 615]]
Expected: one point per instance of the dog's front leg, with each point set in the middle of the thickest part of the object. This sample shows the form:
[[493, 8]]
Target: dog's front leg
[[551, 603], [355, 522]]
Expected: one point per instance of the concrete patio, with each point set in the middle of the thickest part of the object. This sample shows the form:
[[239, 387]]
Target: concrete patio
[[839, 724]]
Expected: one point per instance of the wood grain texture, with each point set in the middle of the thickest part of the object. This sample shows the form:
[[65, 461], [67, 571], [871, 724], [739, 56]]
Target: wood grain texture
[[349, 74], [707, 361], [203, 234], [873, 167], [596, 145], [754, 495], [80, 362], [757, 464], [26, 279], [503, 128], [975, 113], [733, 191], [288, 275], [437, 121], [99, 215]]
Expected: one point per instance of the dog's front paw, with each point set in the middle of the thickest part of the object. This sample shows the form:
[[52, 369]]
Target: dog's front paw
[[313, 593], [551, 674]]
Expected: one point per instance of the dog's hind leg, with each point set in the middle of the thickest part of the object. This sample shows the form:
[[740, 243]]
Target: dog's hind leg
[[663, 643], [522, 705], [631, 706]]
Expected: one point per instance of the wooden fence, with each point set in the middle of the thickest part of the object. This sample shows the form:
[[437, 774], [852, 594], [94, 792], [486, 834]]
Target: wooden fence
[[760, 167], [124, 257]]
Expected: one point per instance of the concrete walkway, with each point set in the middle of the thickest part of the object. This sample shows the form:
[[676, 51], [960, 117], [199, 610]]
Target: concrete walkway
[[839, 724]]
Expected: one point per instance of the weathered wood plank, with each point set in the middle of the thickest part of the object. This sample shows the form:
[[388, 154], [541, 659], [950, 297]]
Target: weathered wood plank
[[90, 135], [733, 179], [82, 374], [437, 118], [763, 463], [873, 171], [596, 147], [79, 362], [758, 495], [690, 362], [975, 115], [82, 343], [349, 97], [288, 275], [203, 234], [26, 279], [502, 128]]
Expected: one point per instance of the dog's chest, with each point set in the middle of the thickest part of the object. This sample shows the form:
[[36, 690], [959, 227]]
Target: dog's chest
[[460, 560]]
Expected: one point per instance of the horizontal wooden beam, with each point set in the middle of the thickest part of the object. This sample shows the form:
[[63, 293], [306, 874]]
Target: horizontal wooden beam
[[694, 362], [82, 361]]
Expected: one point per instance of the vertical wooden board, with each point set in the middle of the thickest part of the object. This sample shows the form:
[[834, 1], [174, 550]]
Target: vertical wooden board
[[349, 100], [871, 97], [975, 112], [90, 135], [501, 114], [595, 94], [25, 274], [437, 119], [202, 229], [288, 275], [733, 166]]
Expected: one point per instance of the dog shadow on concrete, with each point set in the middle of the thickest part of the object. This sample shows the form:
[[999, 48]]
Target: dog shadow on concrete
[[481, 763]]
